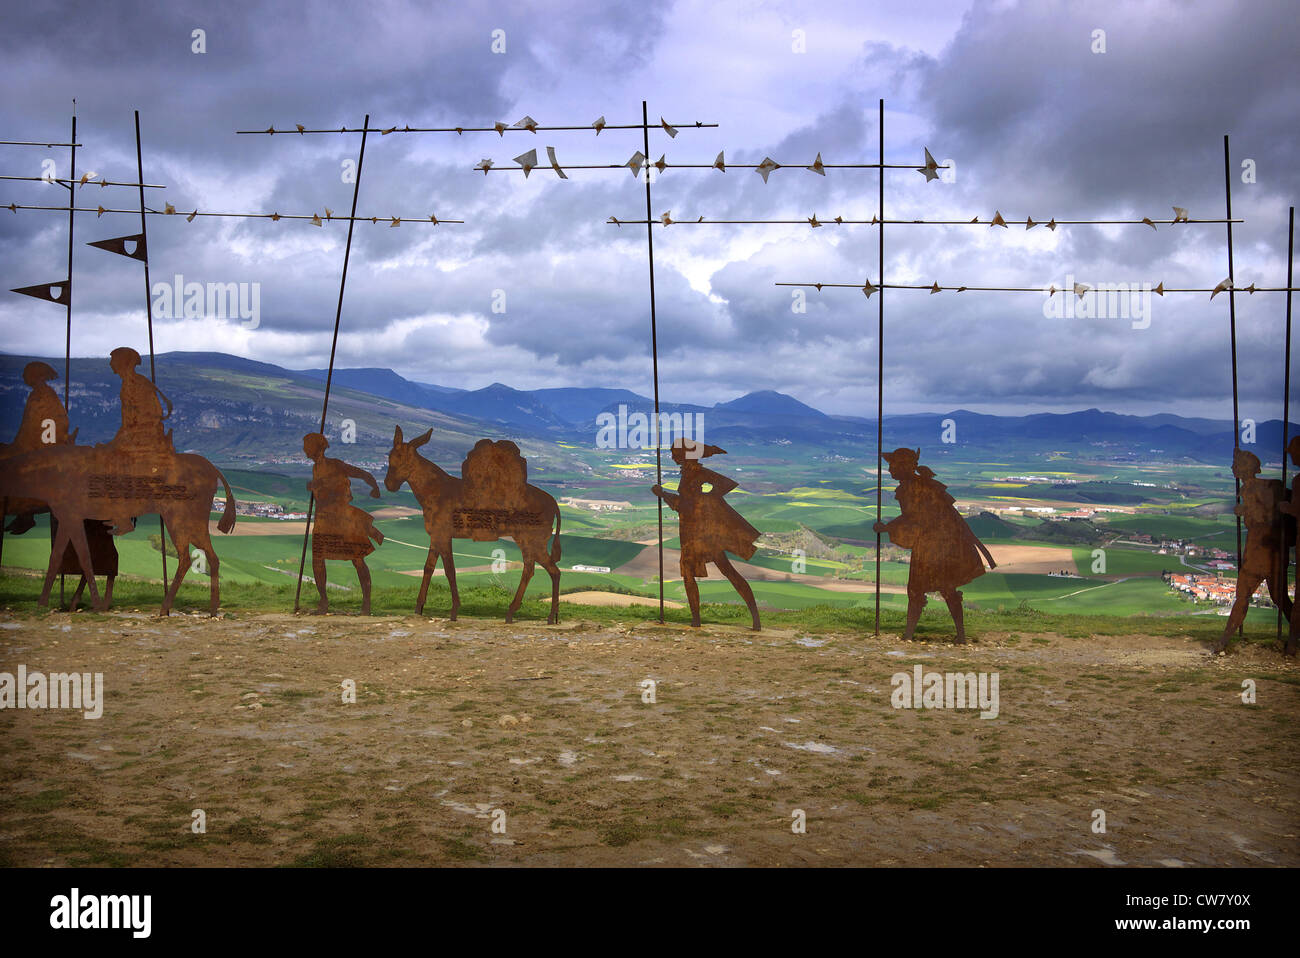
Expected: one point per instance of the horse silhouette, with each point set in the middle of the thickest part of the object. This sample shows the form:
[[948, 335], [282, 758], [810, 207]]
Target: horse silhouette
[[492, 502], [81, 482]]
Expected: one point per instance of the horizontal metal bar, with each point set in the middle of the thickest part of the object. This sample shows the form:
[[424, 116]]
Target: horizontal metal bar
[[1252, 288], [705, 166], [36, 143], [838, 221], [64, 182], [389, 220], [481, 129]]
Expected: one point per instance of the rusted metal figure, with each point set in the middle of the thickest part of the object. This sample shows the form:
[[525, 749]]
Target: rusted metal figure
[[1262, 559], [1291, 509], [136, 474], [945, 552], [45, 423], [341, 530], [709, 527], [492, 500]]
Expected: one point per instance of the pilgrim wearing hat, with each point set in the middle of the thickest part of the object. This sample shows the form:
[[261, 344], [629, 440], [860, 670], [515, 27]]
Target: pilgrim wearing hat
[[44, 422], [709, 527], [1263, 558], [142, 413], [945, 553], [341, 530], [43, 406]]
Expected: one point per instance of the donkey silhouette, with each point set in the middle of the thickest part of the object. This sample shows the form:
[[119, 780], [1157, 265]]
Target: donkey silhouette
[[493, 501]]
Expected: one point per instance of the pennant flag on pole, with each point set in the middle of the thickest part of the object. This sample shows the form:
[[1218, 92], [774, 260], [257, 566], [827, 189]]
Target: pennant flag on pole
[[765, 168], [720, 163], [46, 291], [119, 246], [671, 131], [599, 124], [817, 166], [527, 123], [634, 164], [1180, 215], [998, 220], [484, 164], [1226, 284]]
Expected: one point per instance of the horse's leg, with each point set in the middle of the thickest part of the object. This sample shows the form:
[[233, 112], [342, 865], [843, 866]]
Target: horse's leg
[[76, 595], [182, 543], [108, 590], [82, 548], [57, 548], [430, 564], [203, 540], [363, 576], [449, 566], [524, 577], [553, 569]]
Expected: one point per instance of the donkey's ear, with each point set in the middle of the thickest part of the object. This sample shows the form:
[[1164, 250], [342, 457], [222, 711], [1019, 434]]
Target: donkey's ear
[[397, 435], [421, 440]]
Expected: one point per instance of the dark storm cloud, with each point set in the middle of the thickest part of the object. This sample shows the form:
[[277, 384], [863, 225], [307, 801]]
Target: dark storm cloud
[[1036, 122]]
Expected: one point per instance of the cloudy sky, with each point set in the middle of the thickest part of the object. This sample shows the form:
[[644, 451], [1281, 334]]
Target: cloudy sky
[[1034, 120]]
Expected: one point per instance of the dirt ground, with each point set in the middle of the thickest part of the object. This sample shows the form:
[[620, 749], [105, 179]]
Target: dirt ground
[[542, 731]]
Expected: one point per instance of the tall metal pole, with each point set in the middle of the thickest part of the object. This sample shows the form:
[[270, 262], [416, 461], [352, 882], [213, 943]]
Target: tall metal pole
[[654, 348], [67, 336], [1286, 402], [148, 309], [880, 354], [334, 343], [1232, 332]]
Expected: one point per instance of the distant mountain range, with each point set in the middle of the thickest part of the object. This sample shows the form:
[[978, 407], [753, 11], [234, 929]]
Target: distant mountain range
[[240, 410]]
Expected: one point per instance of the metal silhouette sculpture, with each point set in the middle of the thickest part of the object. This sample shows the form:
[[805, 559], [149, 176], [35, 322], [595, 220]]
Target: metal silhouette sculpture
[[1291, 509], [709, 526], [136, 474], [945, 552], [1263, 558], [492, 500], [341, 530], [45, 423]]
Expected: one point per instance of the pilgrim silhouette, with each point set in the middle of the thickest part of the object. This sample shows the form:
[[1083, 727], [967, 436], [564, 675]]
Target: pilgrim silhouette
[[1291, 509], [1263, 558], [709, 527], [142, 414], [44, 423], [341, 530], [945, 552]]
